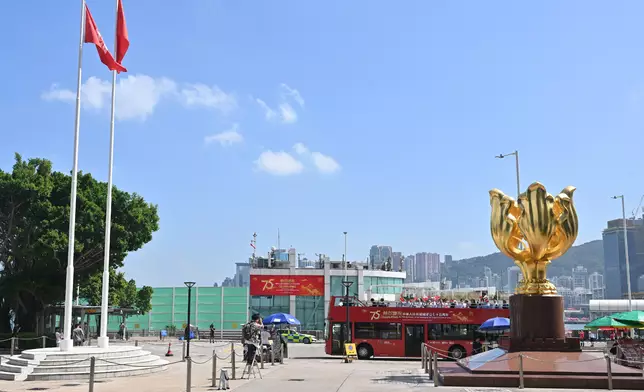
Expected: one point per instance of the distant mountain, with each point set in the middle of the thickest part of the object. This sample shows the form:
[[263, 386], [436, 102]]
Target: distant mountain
[[590, 255]]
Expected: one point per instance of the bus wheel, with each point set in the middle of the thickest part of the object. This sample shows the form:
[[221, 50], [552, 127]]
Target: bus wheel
[[457, 352], [364, 351]]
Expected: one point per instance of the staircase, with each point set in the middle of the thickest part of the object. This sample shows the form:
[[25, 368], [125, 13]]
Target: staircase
[[52, 364]]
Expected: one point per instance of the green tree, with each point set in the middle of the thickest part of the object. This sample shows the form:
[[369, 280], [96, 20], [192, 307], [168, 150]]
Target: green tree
[[34, 222]]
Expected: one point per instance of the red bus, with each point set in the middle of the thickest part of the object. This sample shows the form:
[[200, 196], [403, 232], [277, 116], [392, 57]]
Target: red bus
[[396, 331]]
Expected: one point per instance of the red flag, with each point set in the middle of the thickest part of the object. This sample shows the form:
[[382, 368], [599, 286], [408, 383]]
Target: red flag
[[253, 245], [92, 36], [122, 41]]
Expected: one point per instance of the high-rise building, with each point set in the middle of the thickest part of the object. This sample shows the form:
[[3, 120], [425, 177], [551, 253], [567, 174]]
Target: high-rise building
[[397, 257], [448, 260], [410, 268], [579, 277], [565, 281], [514, 277], [428, 266], [242, 275], [615, 256], [378, 254], [596, 285]]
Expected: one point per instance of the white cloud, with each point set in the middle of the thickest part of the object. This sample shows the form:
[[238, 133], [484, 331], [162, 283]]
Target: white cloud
[[57, 94], [226, 138], [292, 93], [287, 114], [209, 97], [137, 96], [268, 112], [323, 163], [300, 149], [278, 163]]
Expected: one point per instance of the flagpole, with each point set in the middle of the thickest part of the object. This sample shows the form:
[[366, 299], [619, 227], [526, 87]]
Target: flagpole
[[67, 344], [104, 340]]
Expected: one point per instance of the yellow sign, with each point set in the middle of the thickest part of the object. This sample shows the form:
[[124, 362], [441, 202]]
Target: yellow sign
[[235, 325], [350, 350], [137, 326]]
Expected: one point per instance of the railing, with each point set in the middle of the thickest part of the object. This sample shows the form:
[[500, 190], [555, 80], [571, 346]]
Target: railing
[[429, 363], [273, 355]]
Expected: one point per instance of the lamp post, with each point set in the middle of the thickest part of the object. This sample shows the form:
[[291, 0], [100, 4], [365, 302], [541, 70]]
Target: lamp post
[[347, 284], [628, 267], [188, 330], [345, 255], [516, 156]]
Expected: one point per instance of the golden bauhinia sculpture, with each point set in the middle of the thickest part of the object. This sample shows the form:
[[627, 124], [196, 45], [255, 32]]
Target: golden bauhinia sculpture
[[533, 232]]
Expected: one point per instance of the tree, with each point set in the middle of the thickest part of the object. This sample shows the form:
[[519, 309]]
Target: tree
[[34, 222], [123, 293]]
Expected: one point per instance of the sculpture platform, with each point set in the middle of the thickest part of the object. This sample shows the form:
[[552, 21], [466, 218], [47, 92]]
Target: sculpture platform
[[499, 368], [53, 364]]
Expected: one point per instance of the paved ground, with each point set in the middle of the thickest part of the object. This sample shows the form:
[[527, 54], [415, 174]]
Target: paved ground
[[308, 370]]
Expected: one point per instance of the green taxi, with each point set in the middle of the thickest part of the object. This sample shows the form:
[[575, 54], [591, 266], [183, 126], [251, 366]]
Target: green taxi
[[292, 336]]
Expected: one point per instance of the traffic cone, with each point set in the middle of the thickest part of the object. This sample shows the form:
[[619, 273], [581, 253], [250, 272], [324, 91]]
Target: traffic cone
[[169, 353]]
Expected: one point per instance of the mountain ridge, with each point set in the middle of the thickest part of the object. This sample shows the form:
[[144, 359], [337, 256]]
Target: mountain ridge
[[589, 255]]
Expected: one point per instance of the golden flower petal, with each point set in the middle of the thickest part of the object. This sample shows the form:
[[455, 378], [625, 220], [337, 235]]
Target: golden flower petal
[[537, 221]]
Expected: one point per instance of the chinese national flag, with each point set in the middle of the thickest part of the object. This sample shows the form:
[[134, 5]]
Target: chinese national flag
[[92, 36], [122, 41]]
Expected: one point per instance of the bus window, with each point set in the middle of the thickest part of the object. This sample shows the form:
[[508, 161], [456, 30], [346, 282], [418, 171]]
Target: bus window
[[434, 331], [388, 331], [451, 331]]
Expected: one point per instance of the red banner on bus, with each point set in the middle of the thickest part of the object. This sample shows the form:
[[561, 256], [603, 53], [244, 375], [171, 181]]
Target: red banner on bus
[[302, 285]]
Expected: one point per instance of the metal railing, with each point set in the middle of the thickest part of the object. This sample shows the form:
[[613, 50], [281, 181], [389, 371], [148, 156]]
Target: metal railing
[[273, 355], [429, 363]]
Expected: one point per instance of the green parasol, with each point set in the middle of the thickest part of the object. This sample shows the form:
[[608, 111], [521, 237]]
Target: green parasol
[[634, 318], [605, 322]]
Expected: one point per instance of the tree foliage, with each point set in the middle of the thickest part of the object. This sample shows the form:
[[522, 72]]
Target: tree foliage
[[34, 225], [123, 292]]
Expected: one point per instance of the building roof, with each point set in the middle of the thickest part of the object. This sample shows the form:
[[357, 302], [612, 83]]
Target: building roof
[[614, 305]]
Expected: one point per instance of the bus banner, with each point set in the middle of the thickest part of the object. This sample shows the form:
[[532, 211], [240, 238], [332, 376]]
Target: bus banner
[[302, 285], [463, 316]]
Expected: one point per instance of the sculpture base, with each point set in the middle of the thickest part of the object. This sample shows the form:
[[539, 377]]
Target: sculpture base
[[536, 324], [497, 368]]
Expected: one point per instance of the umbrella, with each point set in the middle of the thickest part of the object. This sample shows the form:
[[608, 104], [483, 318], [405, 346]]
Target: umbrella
[[605, 322], [495, 324], [281, 318], [633, 318]]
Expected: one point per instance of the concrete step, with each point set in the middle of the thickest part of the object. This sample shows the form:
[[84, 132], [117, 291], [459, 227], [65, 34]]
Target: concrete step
[[8, 376], [158, 366], [100, 365], [53, 354], [62, 361]]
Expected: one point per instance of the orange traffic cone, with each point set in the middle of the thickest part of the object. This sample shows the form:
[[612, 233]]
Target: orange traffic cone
[[169, 353]]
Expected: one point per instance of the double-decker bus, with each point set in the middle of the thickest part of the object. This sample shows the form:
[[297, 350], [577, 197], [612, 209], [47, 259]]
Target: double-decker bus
[[396, 331]]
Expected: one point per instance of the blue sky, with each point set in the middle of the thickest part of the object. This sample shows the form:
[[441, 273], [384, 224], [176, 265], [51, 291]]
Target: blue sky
[[401, 107]]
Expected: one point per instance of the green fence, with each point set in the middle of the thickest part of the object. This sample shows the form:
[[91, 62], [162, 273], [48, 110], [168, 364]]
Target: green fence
[[225, 307]]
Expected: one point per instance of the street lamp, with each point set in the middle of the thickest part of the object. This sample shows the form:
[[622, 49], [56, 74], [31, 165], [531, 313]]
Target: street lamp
[[347, 284], [628, 267], [345, 255], [188, 329], [516, 156]]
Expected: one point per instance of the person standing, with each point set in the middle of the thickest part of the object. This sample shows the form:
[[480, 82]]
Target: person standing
[[78, 335], [59, 336], [212, 333], [252, 337]]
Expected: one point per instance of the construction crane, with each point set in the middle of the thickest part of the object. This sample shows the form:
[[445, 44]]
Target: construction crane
[[639, 206]]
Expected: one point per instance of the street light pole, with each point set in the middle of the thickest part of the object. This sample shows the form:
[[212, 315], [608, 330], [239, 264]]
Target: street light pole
[[345, 255], [628, 266], [516, 156], [347, 284], [188, 330]]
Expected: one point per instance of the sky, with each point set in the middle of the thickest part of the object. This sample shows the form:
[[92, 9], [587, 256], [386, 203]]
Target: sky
[[374, 117]]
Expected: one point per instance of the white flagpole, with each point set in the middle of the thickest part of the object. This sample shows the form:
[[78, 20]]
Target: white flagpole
[[67, 344], [104, 340]]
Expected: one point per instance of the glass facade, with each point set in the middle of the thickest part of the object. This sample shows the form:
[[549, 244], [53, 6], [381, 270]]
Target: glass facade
[[268, 305], [615, 263], [170, 307], [338, 289], [310, 312], [375, 281]]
